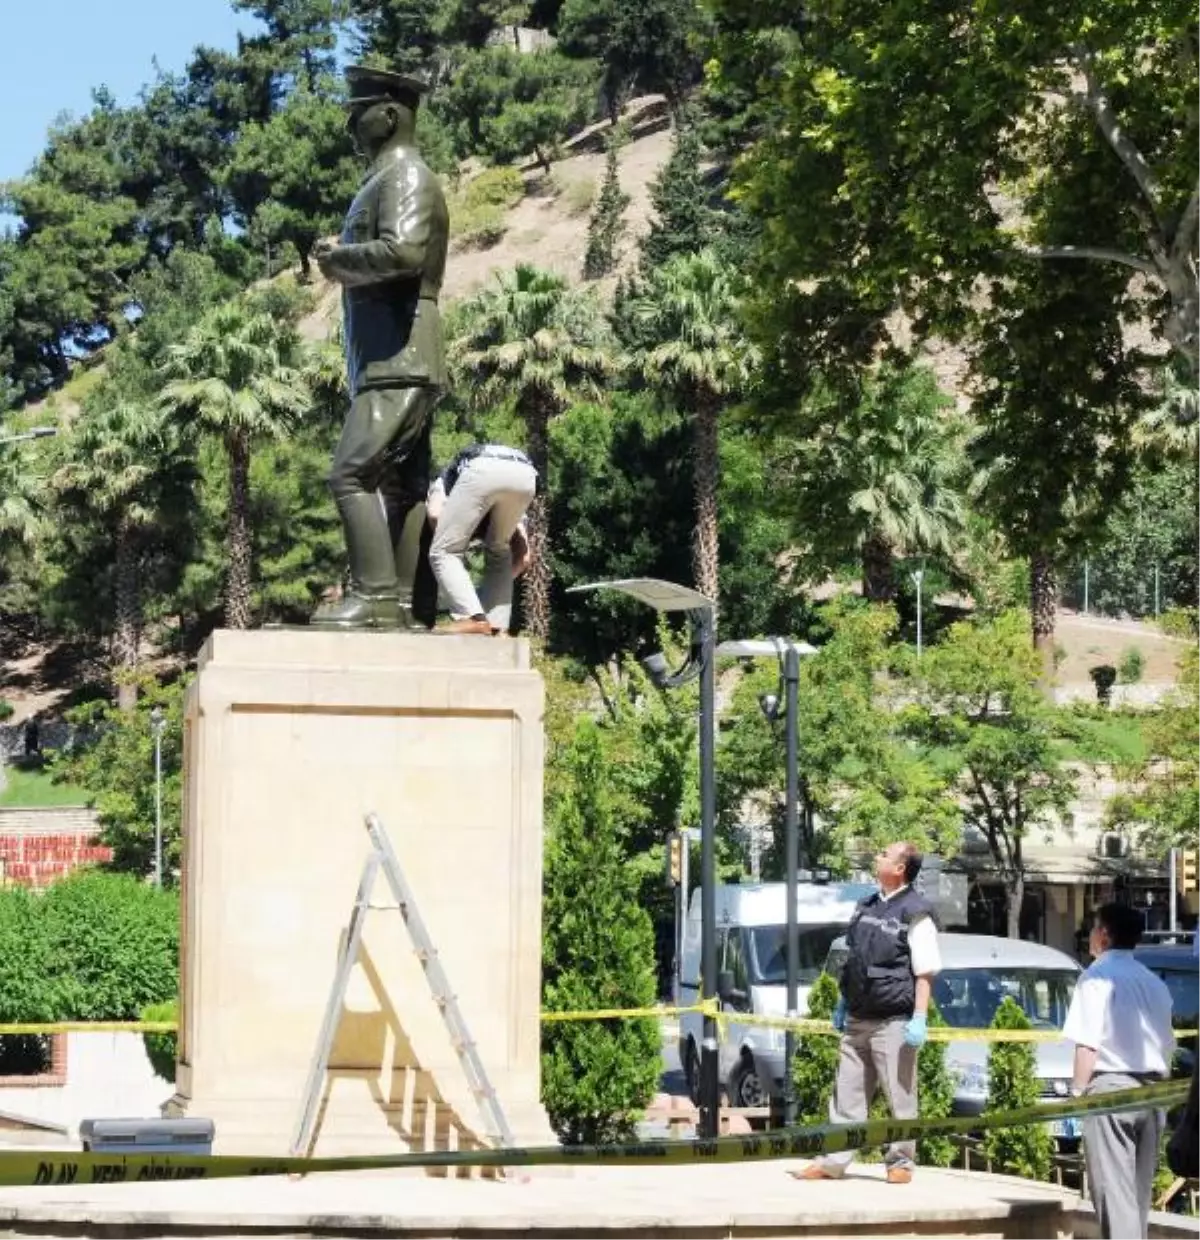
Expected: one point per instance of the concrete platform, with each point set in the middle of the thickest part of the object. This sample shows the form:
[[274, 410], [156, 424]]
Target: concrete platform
[[730, 1200]]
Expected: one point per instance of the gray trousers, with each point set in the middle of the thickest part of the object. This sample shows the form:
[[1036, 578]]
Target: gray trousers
[[874, 1053], [500, 490], [1121, 1153]]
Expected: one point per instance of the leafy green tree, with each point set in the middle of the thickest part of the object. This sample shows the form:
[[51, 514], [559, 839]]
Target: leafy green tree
[[506, 105], [863, 777], [1012, 1086], [115, 765], [598, 953], [608, 219], [982, 704], [878, 471], [300, 34], [125, 464], [702, 360], [684, 222], [237, 375], [530, 339], [112, 944], [650, 46], [402, 35], [290, 179]]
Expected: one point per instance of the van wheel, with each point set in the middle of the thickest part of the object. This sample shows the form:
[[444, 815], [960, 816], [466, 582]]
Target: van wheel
[[745, 1088], [691, 1072]]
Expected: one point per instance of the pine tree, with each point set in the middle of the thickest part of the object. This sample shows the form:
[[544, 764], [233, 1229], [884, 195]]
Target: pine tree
[[1012, 1085], [684, 221], [598, 952], [608, 220]]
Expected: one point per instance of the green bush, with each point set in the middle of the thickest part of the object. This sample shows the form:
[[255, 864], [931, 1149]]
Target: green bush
[[494, 187], [1012, 1085], [1131, 666], [161, 1047], [479, 208], [6, 709], [814, 1066], [28, 990], [598, 952], [935, 1095], [112, 945]]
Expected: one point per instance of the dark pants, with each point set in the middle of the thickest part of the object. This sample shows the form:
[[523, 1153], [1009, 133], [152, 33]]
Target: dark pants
[[379, 479]]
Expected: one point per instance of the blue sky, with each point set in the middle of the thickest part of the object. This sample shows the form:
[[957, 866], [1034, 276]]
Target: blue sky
[[56, 51]]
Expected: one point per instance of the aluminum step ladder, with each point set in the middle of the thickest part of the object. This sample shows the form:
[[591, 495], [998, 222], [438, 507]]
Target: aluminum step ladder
[[383, 857]]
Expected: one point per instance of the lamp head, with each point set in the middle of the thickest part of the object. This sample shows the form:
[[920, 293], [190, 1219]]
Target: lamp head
[[656, 668], [768, 703]]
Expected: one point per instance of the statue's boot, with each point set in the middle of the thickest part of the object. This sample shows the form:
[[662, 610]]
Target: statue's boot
[[373, 600]]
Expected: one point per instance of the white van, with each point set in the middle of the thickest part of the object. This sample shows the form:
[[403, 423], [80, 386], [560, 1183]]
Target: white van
[[751, 945]]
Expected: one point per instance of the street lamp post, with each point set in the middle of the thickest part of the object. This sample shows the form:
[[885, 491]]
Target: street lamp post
[[34, 432], [157, 724], [702, 619], [788, 653], [919, 576]]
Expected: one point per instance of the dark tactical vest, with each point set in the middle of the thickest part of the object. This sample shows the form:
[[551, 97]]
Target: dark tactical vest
[[878, 981]]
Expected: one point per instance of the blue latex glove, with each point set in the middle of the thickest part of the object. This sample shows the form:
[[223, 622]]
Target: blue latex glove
[[915, 1032], [838, 1019]]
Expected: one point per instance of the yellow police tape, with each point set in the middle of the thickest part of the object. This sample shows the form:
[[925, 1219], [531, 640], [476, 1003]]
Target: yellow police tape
[[92, 1026], [96, 1168]]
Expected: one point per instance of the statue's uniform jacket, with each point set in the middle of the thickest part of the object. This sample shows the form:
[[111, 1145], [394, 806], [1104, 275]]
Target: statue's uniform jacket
[[391, 262]]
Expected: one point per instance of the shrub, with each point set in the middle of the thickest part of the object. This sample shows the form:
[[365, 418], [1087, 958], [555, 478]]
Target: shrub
[[28, 991], [479, 209], [494, 187], [1131, 666], [1012, 1085], [112, 945], [1104, 676], [6, 709], [814, 1066], [598, 952], [161, 1047], [935, 1095], [578, 195]]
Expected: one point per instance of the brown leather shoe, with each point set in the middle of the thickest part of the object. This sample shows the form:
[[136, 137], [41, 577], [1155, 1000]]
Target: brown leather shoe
[[899, 1175], [814, 1171], [468, 625]]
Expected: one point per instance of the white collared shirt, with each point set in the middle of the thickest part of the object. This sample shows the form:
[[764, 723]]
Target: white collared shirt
[[1123, 1012], [922, 941]]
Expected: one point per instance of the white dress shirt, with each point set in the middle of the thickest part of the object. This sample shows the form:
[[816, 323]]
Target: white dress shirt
[[1123, 1012], [922, 941]]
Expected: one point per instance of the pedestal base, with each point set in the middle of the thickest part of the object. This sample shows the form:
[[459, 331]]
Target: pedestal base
[[291, 738]]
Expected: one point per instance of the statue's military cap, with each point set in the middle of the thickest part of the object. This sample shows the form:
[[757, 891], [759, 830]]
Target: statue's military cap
[[382, 86]]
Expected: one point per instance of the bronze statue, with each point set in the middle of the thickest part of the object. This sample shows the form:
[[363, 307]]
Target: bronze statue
[[389, 260]]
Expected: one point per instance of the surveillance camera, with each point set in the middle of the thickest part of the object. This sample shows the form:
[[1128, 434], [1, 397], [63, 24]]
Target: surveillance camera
[[656, 668], [768, 703]]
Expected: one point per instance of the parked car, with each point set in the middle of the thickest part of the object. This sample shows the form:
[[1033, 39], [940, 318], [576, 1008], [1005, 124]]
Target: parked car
[[1179, 968], [752, 972], [978, 972]]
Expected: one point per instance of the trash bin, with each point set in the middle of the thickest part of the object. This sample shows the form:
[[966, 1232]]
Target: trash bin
[[181, 1135]]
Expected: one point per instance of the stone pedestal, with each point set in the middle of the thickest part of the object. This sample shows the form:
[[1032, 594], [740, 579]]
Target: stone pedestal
[[291, 738]]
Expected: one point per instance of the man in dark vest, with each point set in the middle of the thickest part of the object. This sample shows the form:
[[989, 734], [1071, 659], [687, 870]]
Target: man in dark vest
[[893, 959], [389, 260]]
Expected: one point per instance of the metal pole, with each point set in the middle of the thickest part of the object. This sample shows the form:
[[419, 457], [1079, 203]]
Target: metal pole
[[709, 1073], [1156, 594], [918, 577], [1086, 584], [158, 834], [791, 677], [685, 859], [1173, 898]]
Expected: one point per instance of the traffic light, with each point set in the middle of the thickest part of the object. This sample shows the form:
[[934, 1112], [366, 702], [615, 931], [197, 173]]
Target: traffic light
[[1188, 869], [674, 859]]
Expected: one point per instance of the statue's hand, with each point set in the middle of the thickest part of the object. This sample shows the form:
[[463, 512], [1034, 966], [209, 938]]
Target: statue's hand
[[322, 250]]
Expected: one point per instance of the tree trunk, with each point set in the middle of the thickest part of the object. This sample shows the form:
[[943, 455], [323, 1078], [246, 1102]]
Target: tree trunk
[[1015, 897], [127, 628], [537, 579], [706, 463], [878, 580], [1043, 602], [237, 543]]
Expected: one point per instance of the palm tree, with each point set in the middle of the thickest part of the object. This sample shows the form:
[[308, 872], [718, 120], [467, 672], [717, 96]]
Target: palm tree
[[238, 374], [121, 459], [1172, 429], [531, 339], [698, 355], [881, 469], [20, 501]]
